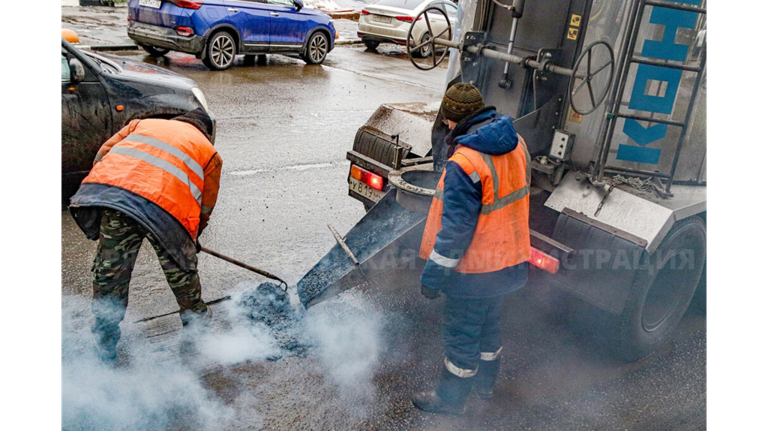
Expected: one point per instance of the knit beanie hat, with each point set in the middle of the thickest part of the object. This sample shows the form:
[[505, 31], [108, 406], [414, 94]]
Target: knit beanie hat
[[200, 119], [461, 100]]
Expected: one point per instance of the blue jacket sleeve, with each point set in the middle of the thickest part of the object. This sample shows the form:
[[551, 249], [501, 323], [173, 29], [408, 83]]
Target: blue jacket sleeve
[[462, 199]]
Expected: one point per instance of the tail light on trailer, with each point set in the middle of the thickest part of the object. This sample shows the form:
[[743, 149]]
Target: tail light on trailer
[[367, 177], [186, 4], [544, 261]]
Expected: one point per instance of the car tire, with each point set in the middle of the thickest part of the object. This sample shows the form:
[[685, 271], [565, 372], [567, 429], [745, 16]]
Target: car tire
[[425, 51], [317, 48], [154, 51], [371, 44], [220, 51], [663, 291]]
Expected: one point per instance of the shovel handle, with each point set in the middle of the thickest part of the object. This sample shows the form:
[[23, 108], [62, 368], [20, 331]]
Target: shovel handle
[[244, 265]]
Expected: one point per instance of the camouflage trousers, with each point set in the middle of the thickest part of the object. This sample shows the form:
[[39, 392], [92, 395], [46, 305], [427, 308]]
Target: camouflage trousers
[[119, 242]]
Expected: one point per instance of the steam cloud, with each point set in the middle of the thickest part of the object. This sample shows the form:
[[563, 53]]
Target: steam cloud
[[154, 387], [347, 333]]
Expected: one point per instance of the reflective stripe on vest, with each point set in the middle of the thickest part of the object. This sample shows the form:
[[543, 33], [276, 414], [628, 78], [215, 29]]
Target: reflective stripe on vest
[[162, 164], [162, 161], [501, 238]]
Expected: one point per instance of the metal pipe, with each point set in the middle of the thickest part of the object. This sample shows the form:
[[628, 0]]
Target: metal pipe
[[510, 58], [505, 82]]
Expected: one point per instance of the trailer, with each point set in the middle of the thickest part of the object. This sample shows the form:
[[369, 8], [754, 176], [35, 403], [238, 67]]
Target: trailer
[[610, 96]]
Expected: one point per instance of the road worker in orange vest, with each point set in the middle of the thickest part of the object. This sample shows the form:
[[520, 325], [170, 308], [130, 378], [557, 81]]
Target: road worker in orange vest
[[476, 244], [156, 179]]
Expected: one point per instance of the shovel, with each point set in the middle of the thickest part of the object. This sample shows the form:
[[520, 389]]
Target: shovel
[[283, 284], [245, 265]]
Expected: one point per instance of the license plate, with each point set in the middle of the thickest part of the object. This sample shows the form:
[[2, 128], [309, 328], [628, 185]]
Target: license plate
[[154, 4], [365, 190], [382, 18]]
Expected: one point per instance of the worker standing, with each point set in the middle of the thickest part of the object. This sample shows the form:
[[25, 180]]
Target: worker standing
[[476, 244], [156, 179]]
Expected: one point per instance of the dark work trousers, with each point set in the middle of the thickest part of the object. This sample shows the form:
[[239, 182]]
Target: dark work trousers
[[471, 326]]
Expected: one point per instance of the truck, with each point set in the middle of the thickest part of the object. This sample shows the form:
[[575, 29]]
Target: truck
[[610, 97]]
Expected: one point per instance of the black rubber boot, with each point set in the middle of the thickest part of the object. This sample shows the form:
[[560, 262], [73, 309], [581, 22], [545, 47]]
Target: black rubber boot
[[486, 378], [449, 398]]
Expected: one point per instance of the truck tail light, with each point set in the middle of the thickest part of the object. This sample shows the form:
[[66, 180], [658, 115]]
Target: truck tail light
[[544, 261], [184, 31], [186, 4], [366, 177]]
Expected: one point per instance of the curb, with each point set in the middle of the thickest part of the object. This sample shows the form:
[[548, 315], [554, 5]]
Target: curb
[[136, 47], [348, 41], [109, 47], [352, 16]]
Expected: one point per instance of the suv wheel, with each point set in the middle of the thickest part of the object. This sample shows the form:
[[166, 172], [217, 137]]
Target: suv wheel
[[154, 51], [220, 51], [317, 48]]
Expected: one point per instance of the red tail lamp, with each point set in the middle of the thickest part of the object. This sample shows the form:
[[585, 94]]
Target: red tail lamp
[[186, 4], [544, 261], [367, 177], [365, 12], [405, 18], [184, 31]]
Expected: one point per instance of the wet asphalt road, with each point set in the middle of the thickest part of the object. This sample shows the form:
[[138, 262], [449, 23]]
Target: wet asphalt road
[[283, 130]]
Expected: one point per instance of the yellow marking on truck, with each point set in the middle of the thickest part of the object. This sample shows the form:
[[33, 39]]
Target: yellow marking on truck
[[575, 117], [575, 20], [573, 33]]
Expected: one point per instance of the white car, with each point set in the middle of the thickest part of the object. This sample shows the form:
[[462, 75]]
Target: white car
[[388, 21]]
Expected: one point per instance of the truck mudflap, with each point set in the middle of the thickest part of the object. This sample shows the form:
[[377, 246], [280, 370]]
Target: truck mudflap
[[603, 264], [377, 243]]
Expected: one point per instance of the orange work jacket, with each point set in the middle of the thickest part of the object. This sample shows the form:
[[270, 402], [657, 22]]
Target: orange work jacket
[[501, 237], [163, 161]]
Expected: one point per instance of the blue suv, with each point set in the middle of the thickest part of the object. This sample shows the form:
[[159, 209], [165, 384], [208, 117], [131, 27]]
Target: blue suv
[[217, 30]]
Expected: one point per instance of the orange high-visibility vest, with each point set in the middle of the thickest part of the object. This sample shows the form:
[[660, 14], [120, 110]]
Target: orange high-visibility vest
[[164, 162], [501, 238]]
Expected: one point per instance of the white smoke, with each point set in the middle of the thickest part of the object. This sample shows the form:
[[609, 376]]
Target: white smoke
[[155, 385], [151, 387], [346, 332]]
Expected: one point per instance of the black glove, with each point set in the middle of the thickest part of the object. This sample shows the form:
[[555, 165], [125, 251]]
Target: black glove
[[197, 245], [429, 293]]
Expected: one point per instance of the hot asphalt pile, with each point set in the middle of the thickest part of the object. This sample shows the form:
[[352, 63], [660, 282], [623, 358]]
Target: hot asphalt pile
[[269, 304]]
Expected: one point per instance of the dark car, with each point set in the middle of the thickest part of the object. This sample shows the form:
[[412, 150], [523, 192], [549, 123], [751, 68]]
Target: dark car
[[100, 94], [217, 30]]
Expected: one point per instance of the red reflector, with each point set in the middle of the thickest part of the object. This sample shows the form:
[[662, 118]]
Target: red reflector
[[366, 177], [365, 12], [186, 4], [184, 31], [544, 261], [406, 18]]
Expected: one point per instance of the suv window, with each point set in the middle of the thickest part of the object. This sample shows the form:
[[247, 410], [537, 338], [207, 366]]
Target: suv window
[[288, 3]]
